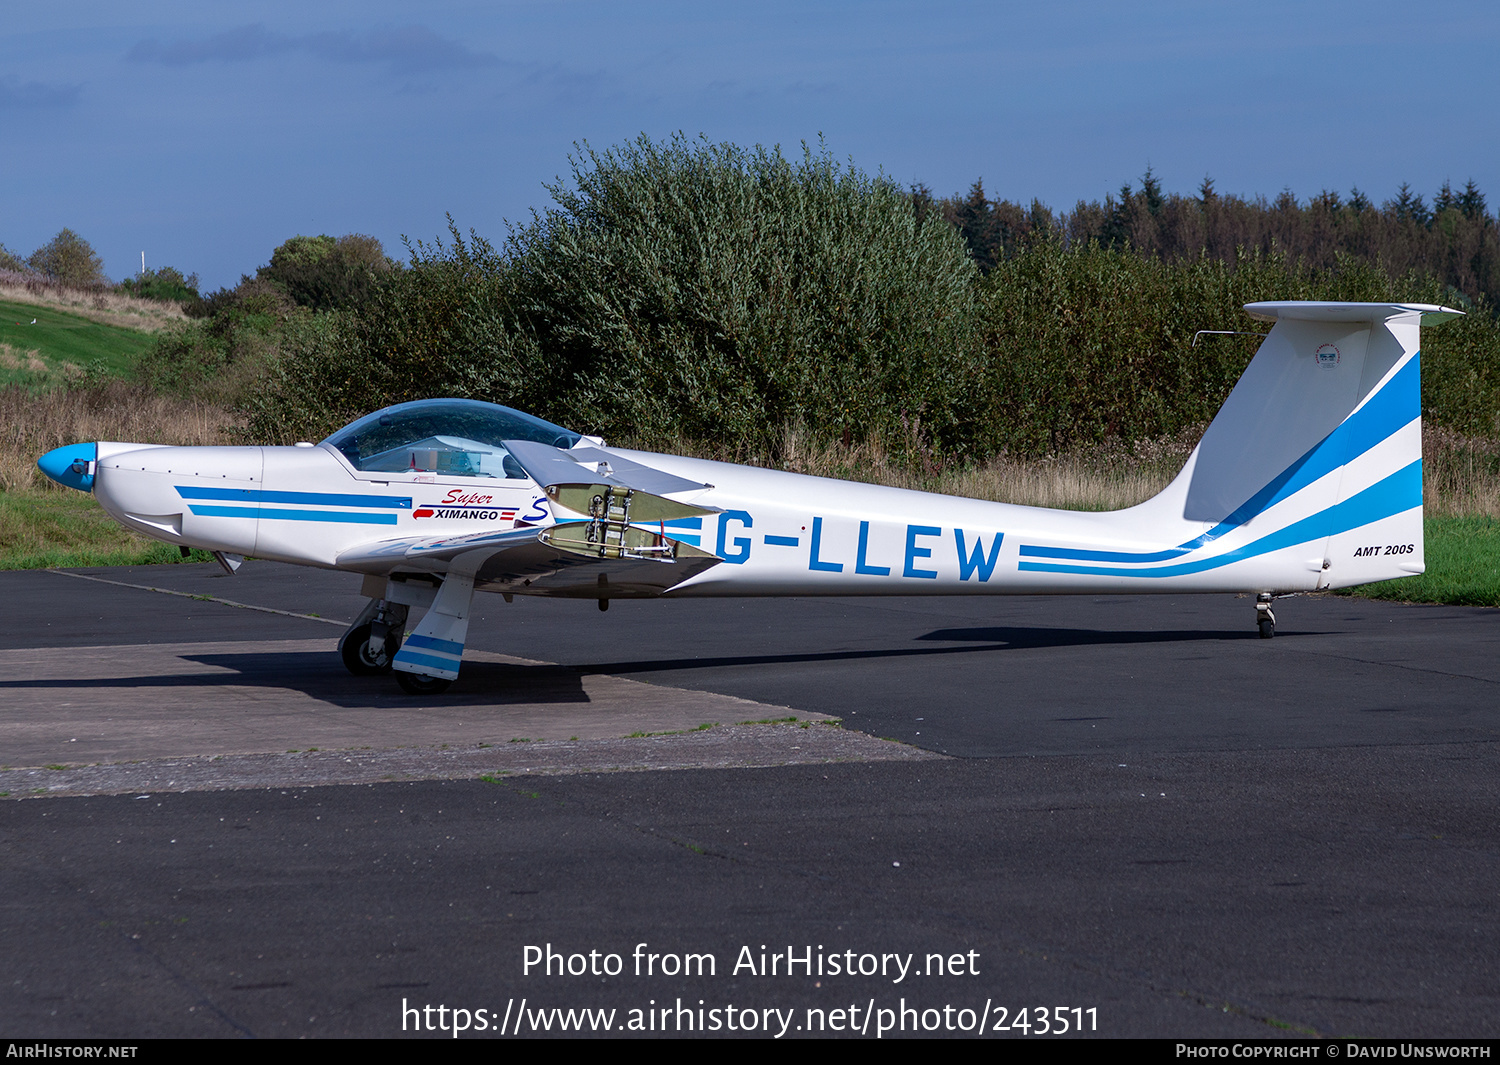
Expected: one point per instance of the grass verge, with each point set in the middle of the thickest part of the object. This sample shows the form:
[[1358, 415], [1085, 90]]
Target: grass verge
[[1463, 566], [42, 529]]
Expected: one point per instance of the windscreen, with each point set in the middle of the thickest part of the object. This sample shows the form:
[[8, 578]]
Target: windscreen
[[459, 437]]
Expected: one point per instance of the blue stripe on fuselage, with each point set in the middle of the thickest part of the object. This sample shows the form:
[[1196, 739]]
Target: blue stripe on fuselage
[[326, 499], [1399, 492], [345, 517]]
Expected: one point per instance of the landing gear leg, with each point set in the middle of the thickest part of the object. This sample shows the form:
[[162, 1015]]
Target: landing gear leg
[[372, 641], [1265, 618], [430, 660]]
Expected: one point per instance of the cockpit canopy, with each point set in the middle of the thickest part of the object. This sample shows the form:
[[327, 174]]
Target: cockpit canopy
[[458, 437]]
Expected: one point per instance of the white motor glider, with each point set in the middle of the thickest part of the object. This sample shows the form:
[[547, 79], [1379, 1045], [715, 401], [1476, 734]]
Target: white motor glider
[[1310, 477]]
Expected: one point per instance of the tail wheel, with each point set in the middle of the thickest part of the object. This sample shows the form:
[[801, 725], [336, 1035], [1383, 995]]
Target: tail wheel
[[417, 684], [355, 650]]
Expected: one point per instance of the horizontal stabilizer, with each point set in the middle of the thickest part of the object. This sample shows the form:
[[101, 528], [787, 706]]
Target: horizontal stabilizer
[[1330, 311]]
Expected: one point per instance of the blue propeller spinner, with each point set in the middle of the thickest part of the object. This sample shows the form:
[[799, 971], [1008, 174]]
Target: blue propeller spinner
[[71, 466]]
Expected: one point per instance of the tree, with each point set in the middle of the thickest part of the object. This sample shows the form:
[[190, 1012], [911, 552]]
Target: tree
[[1151, 192], [1408, 206], [1471, 201], [923, 203], [1445, 200], [1327, 201], [973, 217], [68, 259]]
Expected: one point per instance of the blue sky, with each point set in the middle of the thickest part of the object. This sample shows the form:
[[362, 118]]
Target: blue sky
[[207, 134]]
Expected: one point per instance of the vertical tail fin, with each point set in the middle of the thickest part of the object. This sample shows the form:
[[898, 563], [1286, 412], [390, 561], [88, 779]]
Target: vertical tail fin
[[1322, 439]]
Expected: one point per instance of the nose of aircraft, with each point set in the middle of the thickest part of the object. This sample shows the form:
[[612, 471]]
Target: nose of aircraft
[[72, 465]]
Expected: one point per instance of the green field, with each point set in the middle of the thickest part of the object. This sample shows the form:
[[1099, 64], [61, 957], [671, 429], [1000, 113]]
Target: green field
[[62, 340]]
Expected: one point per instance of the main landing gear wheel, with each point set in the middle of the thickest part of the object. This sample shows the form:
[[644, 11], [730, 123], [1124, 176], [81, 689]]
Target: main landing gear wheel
[[354, 648], [1265, 617], [417, 684]]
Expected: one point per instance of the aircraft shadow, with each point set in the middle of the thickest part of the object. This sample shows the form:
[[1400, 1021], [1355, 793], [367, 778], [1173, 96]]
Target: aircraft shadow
[[321, 676], [988, 640], [1018, 638]]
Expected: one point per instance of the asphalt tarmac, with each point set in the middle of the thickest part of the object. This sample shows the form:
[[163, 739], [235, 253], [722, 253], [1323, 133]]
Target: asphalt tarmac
[[1144, 811]]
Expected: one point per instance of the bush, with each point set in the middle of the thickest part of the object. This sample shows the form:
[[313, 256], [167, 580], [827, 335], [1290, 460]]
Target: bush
[[12, 262], [252, 297], [677, 289], [166, 283], [322, 273], [721, 294], [1461, 367], [237, 333], [1089, 344], [445, 327]]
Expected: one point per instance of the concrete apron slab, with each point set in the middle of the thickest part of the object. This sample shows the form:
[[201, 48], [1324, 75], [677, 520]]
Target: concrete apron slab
[[91, 705], [723, 747]]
